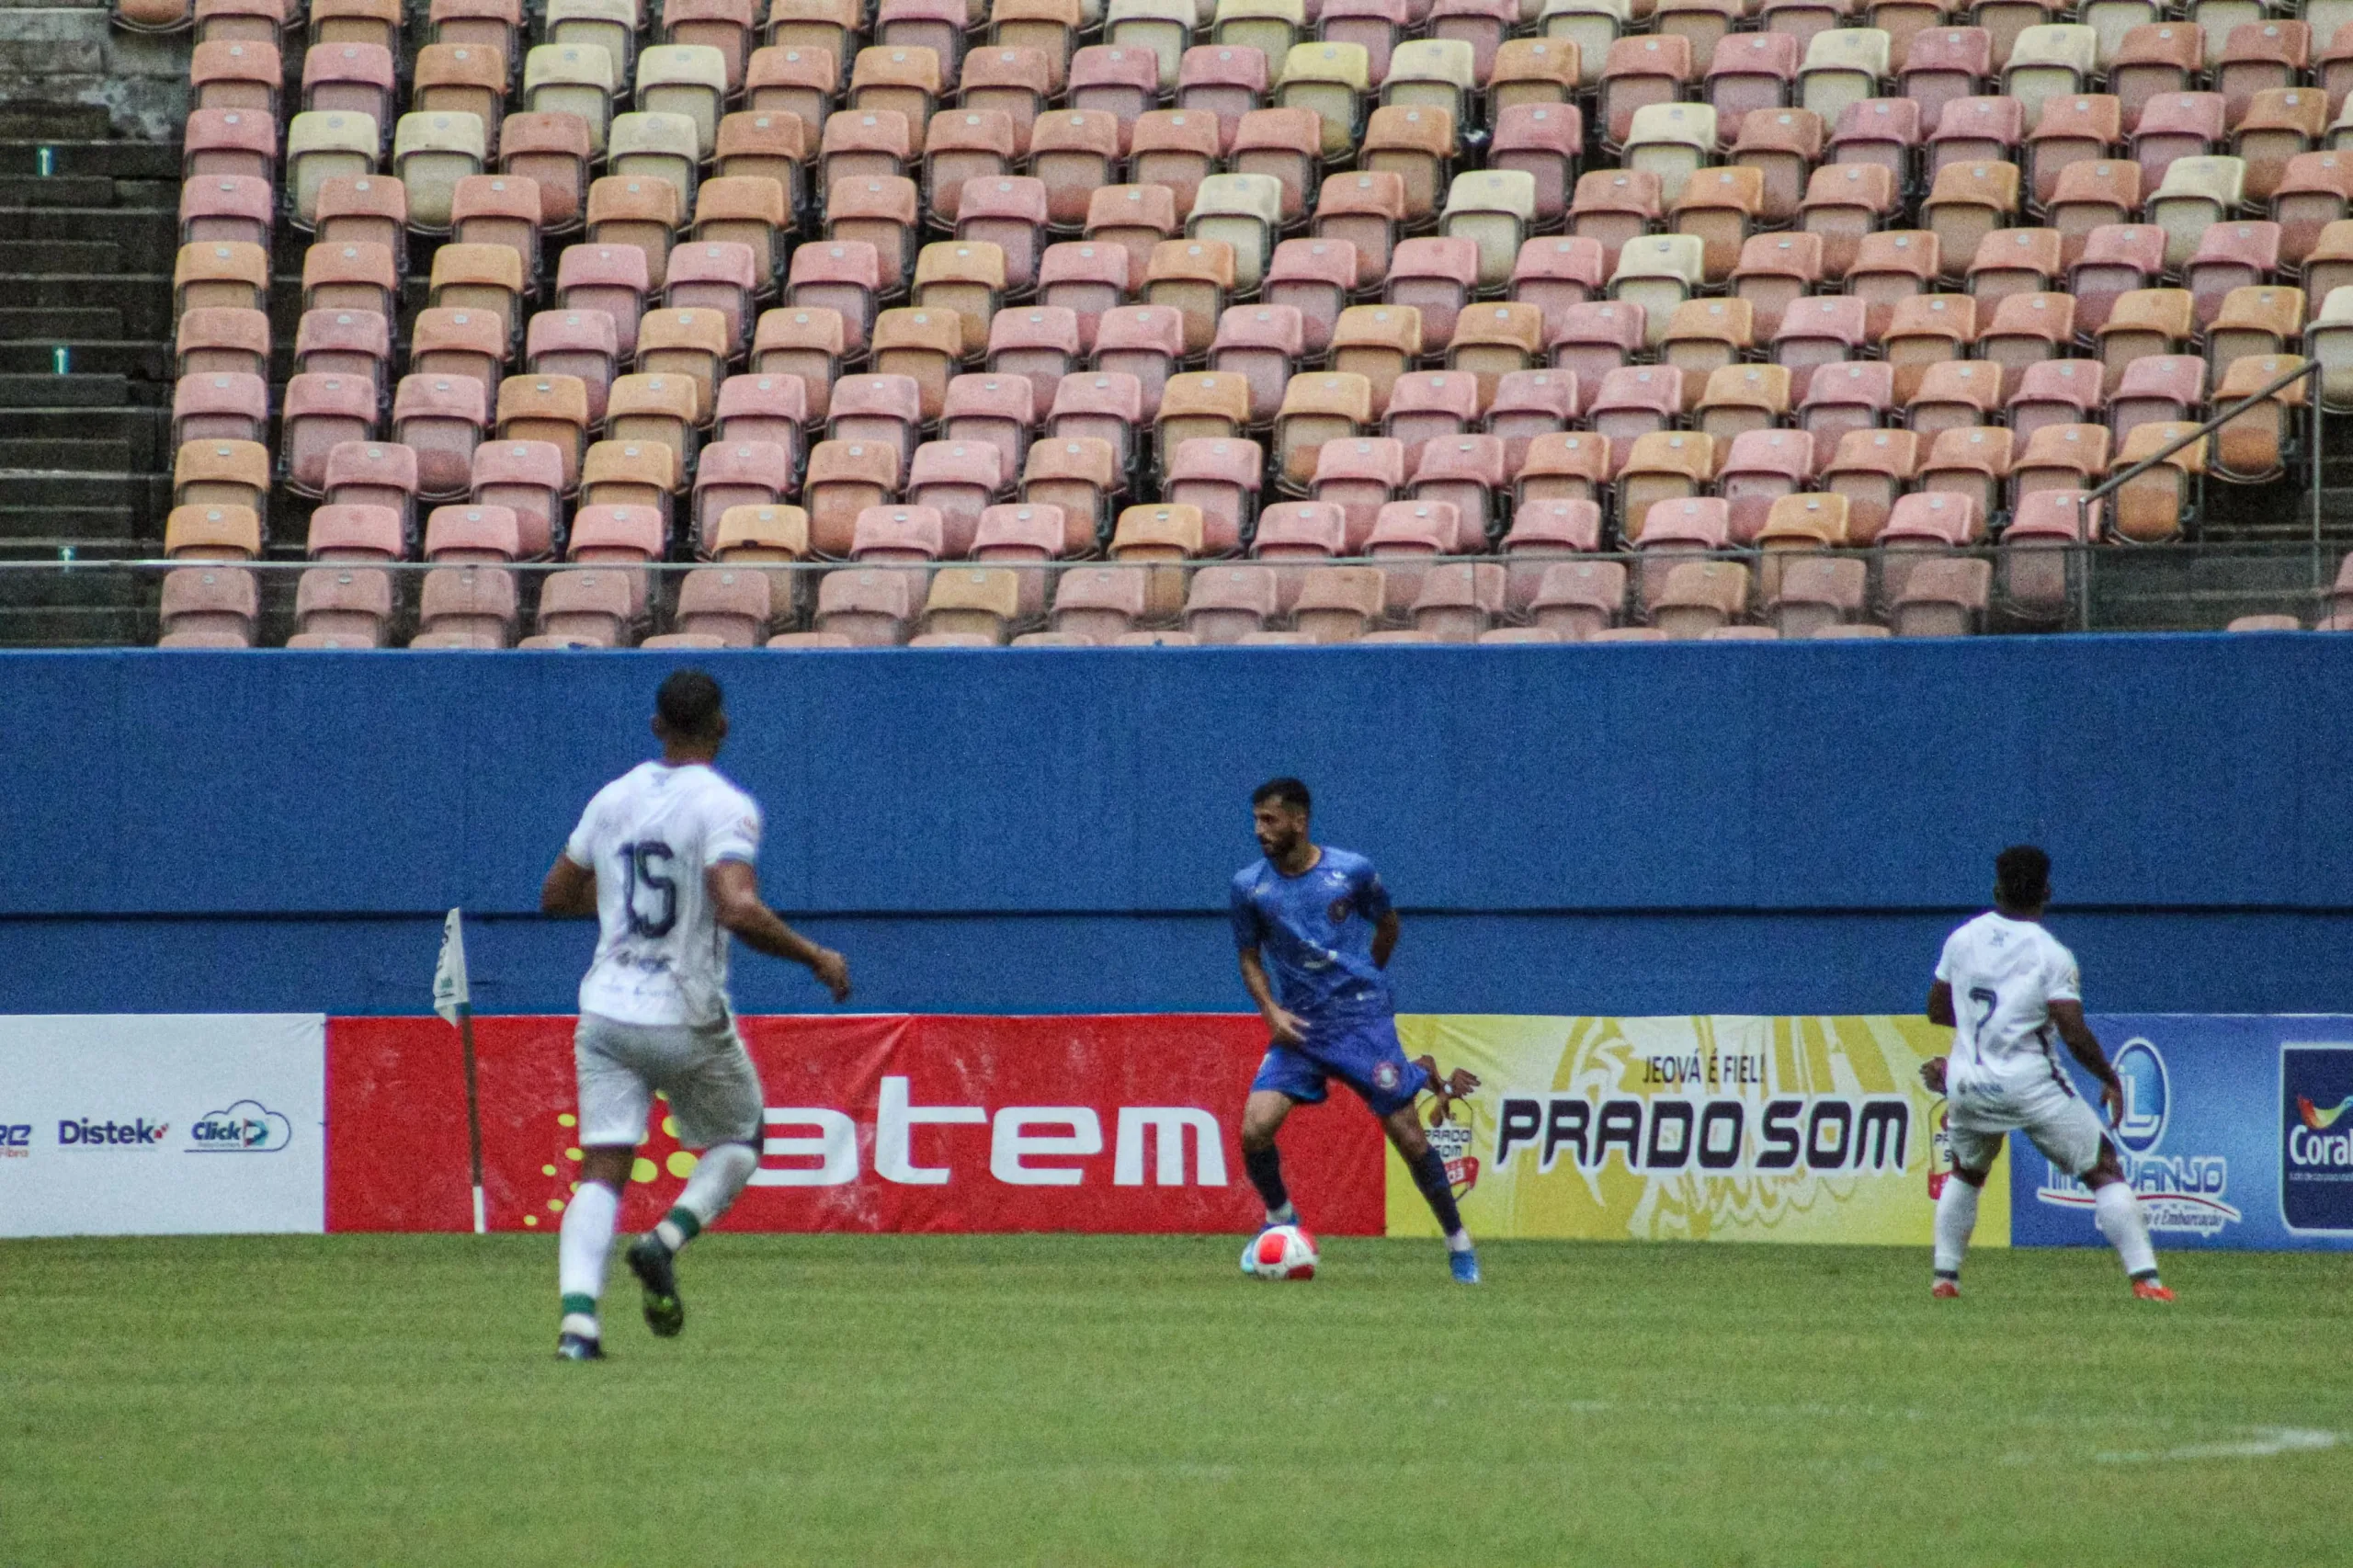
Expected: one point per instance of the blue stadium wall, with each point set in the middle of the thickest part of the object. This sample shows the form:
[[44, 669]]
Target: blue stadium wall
[[1606, 830]]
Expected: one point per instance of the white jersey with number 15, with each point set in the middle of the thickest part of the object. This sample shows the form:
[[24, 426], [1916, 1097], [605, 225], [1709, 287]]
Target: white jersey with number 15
[[649, 835], [2004, 974]]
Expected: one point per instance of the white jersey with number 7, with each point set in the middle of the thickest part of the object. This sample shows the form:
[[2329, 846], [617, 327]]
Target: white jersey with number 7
[[2004, 974], [649, 835]]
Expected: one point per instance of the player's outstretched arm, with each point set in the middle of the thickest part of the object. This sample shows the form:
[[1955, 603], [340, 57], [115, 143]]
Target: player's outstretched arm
[[570, 891], [736, 903], [1940, 1004], [1385, 939], [2085, 1047]]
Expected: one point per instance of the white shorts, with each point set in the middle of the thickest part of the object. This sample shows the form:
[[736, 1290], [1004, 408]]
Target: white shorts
[[2054, 1117], [714, 1090]]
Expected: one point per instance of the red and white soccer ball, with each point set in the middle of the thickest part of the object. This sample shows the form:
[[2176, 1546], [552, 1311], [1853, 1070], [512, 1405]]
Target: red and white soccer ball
[[1283, 1252]]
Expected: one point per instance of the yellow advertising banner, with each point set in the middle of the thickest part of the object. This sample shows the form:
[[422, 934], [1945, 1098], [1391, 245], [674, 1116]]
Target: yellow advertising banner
[[1692, 1129]]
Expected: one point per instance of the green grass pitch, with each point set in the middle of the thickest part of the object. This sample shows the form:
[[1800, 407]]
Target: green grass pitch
[[1057, 1399]]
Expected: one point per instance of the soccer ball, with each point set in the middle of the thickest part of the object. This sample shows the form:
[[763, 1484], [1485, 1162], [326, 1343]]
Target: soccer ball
[[1281, 1252]]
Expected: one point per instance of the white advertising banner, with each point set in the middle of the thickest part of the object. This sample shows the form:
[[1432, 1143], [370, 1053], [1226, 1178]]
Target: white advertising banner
[[156, 1124]]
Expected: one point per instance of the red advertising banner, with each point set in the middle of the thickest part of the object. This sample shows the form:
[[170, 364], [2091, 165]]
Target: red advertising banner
[[1111, 1124]]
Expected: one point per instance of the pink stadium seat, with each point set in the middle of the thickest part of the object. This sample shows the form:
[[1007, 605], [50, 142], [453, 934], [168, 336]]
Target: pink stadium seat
[[1529, 403], [1763, 466], [1429, 406], [373, 475], [442, 419], [997, 409], [1358, 478], [737, 474], [462, 535], [526, 478], [960, 481], [1222, 479], [1105, 405], [322, 411], [1542, 533]]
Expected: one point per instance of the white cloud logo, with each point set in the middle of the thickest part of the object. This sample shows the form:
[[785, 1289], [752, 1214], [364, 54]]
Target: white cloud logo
[[248, 1127]]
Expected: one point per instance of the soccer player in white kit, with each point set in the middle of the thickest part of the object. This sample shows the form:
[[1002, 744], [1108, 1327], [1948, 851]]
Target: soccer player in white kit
[[2003, 985], [663, 857]]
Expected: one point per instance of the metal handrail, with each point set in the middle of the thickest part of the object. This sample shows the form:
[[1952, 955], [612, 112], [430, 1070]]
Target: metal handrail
[[2115, 481], [2308, 368]]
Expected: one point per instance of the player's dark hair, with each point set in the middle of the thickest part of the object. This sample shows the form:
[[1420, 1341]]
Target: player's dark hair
[[2022, 877], [1286, 790], [688, 704]]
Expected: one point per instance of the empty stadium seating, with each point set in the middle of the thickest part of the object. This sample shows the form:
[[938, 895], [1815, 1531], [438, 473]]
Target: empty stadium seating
[[1491, 284]]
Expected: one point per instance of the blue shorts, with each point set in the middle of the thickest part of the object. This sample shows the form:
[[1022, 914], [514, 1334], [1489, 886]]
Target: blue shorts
[[1363, 1054]]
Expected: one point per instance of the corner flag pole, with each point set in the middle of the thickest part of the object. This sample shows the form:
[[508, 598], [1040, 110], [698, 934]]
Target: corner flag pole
[[453, 999]]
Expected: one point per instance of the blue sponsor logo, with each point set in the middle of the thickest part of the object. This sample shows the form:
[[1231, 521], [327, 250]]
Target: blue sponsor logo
[[2178, 1192], [2146, 1096], [16, 1139], [248, 1127], [2316, 1137], [81, 1133]]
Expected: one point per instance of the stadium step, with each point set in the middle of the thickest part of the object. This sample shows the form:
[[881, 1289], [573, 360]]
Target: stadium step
[[71, 457], [63, 255], [59, 325], [156, 160], [140, 361], [44, 530], [73, 190], [63, 392], [142, 428], [142, 303], [30, 488]]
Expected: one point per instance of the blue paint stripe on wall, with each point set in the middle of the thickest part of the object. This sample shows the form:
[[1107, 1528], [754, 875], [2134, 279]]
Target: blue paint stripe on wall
[[2163, 772]]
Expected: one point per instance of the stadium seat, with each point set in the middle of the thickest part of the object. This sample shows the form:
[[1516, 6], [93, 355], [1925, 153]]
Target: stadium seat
[[1315, 409], [1941, 598], [320, 412], [1579, 600], [870, 606], [1357, 478], [1668, 465], [2229, 256], [1972, 461], [1526, 404], [1263, 346], [367, 485], [1293, 534], [1871, 468], [1099, 603], [1762, 467], [1436, 275], [1220, 479], [1078, 476]]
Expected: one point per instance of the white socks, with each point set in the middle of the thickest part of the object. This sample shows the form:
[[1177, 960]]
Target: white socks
[[580, 1266], [1286, 1215], [1956, 1218], [2118, 1215], [720, 1175], [1460, 1241]]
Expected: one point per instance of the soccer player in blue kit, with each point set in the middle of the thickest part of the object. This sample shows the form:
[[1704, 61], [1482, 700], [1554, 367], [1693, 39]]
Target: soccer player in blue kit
[[1315, 929]]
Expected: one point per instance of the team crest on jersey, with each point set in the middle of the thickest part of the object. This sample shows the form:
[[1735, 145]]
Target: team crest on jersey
[[1338, 912], [1385, 1077]]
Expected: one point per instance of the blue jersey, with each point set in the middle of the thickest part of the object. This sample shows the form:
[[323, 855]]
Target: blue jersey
[[1313, 933]]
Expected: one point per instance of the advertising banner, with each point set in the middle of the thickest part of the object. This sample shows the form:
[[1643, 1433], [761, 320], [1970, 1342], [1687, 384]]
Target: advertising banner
[[1692, 1129], [156, 1124], [2237, 1133], [1109, 1124]]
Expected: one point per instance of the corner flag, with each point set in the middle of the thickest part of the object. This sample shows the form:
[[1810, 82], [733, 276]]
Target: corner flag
[[451, 996], [453, 999]]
